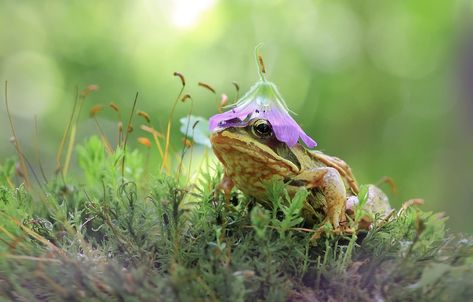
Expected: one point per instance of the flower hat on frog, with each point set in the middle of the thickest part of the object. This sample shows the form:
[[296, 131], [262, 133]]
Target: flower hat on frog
[[263, 101]]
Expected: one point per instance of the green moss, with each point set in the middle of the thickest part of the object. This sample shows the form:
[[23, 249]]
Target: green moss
[[148, 237]]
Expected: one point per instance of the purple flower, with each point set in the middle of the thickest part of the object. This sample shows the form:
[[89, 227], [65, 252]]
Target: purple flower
[[263, 101]]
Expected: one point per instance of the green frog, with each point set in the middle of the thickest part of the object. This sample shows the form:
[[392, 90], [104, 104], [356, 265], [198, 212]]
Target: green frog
[[252, 156]]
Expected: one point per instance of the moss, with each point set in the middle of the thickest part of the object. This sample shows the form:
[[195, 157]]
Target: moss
[[150, 237]]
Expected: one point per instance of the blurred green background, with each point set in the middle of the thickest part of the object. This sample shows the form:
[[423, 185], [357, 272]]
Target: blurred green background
[[375, 82]]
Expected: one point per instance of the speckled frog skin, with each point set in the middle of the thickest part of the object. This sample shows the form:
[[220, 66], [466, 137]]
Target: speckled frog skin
[[252, 157]]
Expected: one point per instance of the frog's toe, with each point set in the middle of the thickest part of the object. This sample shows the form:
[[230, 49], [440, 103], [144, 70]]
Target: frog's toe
[[327, 229]]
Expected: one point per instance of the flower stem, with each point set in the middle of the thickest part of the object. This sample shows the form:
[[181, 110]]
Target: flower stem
[[260, 63]]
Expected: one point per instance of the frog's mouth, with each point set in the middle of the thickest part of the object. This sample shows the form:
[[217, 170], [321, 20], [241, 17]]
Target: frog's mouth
[[227, 141]]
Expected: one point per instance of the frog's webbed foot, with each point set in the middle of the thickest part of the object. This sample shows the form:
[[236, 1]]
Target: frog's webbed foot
[[332, 186], [325, 229]]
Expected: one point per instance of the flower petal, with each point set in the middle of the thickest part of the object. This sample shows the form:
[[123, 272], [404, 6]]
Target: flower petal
[[308, 141], [263, 100], [286, 128]]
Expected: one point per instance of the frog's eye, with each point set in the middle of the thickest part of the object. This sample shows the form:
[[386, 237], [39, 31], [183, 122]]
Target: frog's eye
[[262, 128]]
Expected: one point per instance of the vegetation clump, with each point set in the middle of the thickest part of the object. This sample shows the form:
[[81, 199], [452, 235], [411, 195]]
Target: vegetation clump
[[141, 237]]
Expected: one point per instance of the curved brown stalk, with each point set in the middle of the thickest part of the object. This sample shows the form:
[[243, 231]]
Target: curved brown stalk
[[16, 143], [165, 164]]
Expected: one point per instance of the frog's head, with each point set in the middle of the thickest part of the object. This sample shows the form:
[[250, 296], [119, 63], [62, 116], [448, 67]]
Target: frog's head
[[252, 145]]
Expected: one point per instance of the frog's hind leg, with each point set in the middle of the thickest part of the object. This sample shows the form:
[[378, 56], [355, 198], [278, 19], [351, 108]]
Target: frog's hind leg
[[341, 166], [332, 186], [376, 205]]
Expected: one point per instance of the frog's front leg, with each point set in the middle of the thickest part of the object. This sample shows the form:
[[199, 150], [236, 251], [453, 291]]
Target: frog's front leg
[[226, 185], [332, 186]]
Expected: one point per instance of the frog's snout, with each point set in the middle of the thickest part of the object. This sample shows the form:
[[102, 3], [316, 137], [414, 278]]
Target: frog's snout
[[221, 137], [217, 139]]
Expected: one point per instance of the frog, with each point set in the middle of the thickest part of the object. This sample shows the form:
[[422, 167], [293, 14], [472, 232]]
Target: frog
[[252, 157]]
